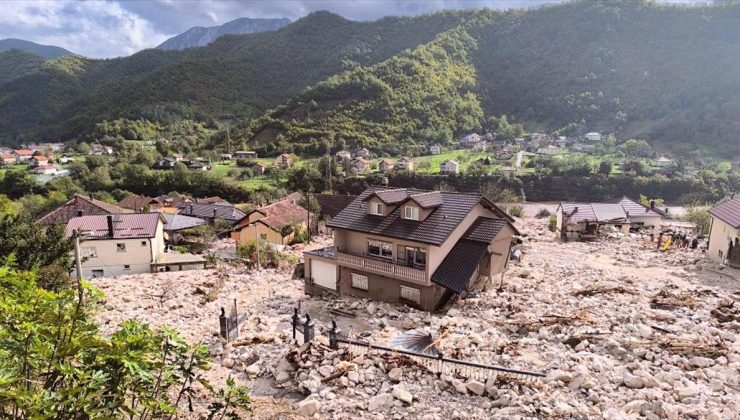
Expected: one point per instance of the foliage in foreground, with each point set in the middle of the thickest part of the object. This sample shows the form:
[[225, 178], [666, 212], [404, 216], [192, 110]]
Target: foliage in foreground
[[54, 362]]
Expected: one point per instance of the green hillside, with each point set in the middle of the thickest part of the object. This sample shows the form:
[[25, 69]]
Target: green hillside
[[15, 63], [667, 73]]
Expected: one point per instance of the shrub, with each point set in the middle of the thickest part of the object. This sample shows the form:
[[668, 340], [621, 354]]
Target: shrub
[[516, 211], [553, 224], [543, 213], [269, 257]]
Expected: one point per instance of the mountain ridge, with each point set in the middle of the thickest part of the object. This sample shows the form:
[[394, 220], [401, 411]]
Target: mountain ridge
[[45, 51], [200, 36]]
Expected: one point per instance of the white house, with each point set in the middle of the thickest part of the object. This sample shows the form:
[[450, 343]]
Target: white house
[[405, 163], [343, 155], [116, 244], [592, 136], [435, 149], [724, 234], [469, 140], [480, 146], [549, 150], [449, 167]]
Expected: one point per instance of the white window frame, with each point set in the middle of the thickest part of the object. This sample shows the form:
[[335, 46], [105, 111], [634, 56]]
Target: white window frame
[[411, 213], [382, 245], [377, 209], [121, 247], [89, 252], [359, 281], [412, 294]]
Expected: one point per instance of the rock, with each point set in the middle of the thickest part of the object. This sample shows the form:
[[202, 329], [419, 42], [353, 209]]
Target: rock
[[475, 387], [400, 393], [372, 308], [557, 375], [282, 377], [228, 362], [701, 362], [632, 381], [309, 407], [395, 375], [353, 377], [326, 370], [688, 391], [459, 386], [252, 370], [380, 402]]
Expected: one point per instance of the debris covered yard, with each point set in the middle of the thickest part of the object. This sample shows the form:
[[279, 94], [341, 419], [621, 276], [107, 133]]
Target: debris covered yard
[[619, 329]]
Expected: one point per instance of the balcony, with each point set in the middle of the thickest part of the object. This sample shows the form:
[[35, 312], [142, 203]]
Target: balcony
[[383, 267]]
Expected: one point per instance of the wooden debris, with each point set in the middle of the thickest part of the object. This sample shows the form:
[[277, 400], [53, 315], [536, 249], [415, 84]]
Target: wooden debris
[[253, 340], [726, 311], [338, 372], [342, 312], [596, 290], [294, 355], [669, 301], [691, 348]]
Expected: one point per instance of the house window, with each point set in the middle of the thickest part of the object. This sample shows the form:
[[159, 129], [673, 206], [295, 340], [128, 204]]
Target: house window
[[263, 236], [380, 249], [97, 273], [89, 252], [143, 243], [377, 209], [411, 294], [126, 267], [120, 247], [416, 257], [359, 281], [411, 213]]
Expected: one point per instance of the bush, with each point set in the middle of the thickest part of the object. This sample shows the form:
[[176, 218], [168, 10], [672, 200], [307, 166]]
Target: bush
[[699, 215], [516, 211], [269, 257], [553, 224], [543, 213]]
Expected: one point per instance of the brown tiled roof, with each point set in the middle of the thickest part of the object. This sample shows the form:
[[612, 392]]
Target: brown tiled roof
[[70, 209], [728, 212], [434, 229], [281, 214], [24, 152], [633, 208], [212, 200], [135, 202], [332, 204], [427, 199], [228, 213], [461, 262], [125, 226], [389, 196]]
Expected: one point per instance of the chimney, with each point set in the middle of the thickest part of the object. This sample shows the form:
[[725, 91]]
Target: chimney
[[191, 209], [80, 213], [652, 204], [214, 213], [110, 225]]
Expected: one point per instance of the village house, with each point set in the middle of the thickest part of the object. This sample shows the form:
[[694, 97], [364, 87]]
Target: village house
[[7, 159], [66, 159], [175, 222], [167, 162], [23, 155], [488, 137], [242, 154], [45, 170], [275, 223], [662, 162], [469, 140], [592, 136], [362, 153], [480, 146], [519, 140], [724, 234], [38, 160], [412, 246], [138, 203], [78, 205], [257, 168], [449, 167], [359, 164], [343, 155], [404, 164], [561, 141], [225, 156], [385, 165], [583, 220], [284, 161], [196, 165], [212, 213], [549, 150], [435, 149], [99, 150]]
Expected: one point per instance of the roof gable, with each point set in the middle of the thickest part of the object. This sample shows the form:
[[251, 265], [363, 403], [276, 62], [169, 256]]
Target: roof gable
[[728, 212], [125, 226], [73, 207]]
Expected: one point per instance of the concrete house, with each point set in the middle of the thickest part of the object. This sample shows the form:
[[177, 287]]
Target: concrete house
[[359, 164], [7, 159], [117, 244], [412, 246], [449, 167], [592, 136], [343, 155], [45, 169], [363, 153], [724, 234], [38, 160], [404, 164], [469, 140], [549, 150], [435, 149], [212, 213], [243, 154], [23, 155], [284, 161], [583, 220], [272, 223], [79, 205]]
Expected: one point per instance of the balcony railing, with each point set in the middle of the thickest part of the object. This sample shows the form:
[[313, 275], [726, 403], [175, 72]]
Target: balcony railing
[[386, 268]]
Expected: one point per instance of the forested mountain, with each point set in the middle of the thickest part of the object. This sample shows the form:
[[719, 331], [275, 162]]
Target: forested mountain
[[667, 73], [199, 36], [45, 51], [14, 63]]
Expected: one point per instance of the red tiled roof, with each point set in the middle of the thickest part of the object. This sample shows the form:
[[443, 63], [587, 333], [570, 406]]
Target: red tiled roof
[[283, 213], [70, 209], [728, 212], [24, 152], [135, 202], [125, 226]]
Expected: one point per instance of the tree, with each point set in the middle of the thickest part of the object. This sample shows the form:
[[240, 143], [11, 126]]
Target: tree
[[605, 167], [636, 148], [61, 367], [16, 184]]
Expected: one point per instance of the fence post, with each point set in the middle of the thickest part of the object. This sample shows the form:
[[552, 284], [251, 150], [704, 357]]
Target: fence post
[[296, 321], [236, 320], [308, 329], [333, 343], [223, 325]]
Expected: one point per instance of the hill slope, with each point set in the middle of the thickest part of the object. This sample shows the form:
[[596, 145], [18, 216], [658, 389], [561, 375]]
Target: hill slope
[[199, 36], [45, 51], [14, 63]]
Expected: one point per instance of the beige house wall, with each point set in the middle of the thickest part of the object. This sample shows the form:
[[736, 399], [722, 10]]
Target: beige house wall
[[436, 254], [719, 239], [261, 231], [139, 255]]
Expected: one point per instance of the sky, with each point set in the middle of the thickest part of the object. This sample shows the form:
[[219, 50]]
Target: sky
[[110, 28]]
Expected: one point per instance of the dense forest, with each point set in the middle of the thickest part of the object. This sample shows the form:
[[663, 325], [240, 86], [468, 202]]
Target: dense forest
[[639, 69]]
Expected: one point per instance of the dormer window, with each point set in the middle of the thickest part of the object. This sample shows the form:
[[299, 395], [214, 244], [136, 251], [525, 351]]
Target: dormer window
[[376, 208], [411, 213]]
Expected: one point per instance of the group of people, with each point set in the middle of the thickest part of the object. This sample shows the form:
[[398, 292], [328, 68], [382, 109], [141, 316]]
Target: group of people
[[676, 240]]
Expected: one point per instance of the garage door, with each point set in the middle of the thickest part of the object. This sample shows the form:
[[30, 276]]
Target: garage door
[[324, 274]]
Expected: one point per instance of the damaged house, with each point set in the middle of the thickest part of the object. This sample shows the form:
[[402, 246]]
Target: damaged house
[[412, 246], [584, 220]]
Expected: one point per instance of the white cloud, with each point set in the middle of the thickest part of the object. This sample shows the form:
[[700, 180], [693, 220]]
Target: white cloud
[[91, 28]]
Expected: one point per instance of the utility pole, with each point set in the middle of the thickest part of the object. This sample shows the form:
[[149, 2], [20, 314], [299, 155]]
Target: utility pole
[[257, 244], [78, 264], [308, 209]]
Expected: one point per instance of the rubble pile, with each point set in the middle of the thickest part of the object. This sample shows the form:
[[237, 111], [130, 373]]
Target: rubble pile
[[619, 329]]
